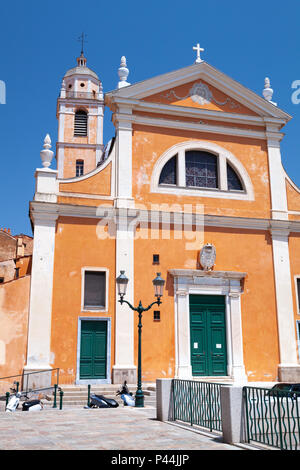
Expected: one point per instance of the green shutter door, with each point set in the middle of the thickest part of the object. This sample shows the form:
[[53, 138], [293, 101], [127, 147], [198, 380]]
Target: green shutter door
[[93, 349], [208, 335]]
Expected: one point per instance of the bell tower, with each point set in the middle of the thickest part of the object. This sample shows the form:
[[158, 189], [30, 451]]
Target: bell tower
[[80, 109]]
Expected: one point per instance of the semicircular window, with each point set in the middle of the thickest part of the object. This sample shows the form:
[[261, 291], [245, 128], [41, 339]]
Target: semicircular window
[[201, 169], [233, 181], [169, 172]]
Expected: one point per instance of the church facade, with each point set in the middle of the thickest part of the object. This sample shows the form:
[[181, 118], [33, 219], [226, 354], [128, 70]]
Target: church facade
[[191, 186]]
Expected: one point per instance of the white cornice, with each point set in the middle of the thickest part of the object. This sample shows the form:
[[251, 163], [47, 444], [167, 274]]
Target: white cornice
[[209, 74], [189, 112], [78, 145], [191, 126], [209, 274], [70, 210]]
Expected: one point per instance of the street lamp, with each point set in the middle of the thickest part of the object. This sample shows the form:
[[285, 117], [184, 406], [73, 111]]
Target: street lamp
[[158, 284]]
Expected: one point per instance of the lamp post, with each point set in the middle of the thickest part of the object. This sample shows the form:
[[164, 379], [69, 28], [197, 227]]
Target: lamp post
[[158, 284]]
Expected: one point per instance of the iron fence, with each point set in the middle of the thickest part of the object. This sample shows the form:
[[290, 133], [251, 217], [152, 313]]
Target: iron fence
[[197, 403], [272, 418]]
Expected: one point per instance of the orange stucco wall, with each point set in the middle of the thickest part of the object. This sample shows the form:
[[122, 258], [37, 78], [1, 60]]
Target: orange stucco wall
[[252, 254], [76, 246], [150, 143], [14, 305], [98, 184]]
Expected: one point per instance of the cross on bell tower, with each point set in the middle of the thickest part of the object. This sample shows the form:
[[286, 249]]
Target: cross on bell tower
[[82, 39], [198, 49]]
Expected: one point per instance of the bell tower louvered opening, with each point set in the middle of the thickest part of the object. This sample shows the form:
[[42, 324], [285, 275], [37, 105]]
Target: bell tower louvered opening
[[80, 124]]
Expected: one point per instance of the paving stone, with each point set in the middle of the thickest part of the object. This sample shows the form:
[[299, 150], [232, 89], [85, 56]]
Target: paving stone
[[111, 429]]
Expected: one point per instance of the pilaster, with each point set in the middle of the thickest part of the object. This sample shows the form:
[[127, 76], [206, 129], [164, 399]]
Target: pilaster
[[124, 159], [284, 303], [40, 307], [124, 368], [277, 179]]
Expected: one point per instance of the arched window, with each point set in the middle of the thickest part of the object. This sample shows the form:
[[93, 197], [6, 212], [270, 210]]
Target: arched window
[[168, 174], [233, 181], [201, 169], [80, 123], [79, 167]]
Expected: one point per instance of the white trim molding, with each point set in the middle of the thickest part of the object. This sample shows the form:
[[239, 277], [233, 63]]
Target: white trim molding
[[225, 283], [223, 155], [95, 269]]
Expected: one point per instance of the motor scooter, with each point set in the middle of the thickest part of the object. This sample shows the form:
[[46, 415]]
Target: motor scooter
[[126, 395], [29, 405], [100, 401]]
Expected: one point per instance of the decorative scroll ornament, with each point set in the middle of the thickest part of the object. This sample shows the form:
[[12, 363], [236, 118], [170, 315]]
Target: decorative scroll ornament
[[207, 257], [201, 94]]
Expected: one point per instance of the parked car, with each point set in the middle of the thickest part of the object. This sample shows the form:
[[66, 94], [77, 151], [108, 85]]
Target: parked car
[[285, 390]]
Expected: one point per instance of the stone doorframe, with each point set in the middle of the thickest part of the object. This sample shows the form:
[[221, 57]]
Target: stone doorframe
[[78, 380], [226, 283]]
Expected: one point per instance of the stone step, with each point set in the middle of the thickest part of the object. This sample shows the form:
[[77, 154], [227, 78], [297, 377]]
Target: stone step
[[106, 393]]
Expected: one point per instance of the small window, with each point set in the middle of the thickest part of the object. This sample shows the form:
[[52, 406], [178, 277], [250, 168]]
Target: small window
[[79, 167], [1, 280], [201, 169], [234, 183], [169, 173], [17, 273], [155, 259], [80, 123], [94, 289], [156, 315]]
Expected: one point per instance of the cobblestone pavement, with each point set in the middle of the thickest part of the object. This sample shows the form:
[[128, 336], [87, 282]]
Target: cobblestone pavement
[[110, 429]]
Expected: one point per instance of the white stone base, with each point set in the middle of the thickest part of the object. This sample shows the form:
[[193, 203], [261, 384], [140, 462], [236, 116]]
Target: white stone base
[[121, 373], [289, 373]]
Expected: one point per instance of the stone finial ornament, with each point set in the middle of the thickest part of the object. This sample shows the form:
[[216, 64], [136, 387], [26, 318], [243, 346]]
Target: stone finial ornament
[[123, 73], [268, 91], [46, 154], [63, 89]]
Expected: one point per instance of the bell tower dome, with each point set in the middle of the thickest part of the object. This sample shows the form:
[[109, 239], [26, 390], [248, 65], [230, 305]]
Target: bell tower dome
[[80, 109]]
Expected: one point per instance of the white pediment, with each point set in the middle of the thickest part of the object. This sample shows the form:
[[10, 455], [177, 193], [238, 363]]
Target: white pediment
[[210, 75]]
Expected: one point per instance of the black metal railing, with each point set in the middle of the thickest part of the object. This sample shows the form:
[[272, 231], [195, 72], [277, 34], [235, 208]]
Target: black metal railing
[[197, 403], [29, 382], [85, 95], [272, 418]]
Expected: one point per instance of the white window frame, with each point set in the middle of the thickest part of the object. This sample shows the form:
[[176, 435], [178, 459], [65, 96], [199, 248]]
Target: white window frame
[[223, 156], [296, 293], [298, 337], [93, 268]]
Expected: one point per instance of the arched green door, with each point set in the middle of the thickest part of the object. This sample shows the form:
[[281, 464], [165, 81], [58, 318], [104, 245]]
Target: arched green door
[[208, 335]]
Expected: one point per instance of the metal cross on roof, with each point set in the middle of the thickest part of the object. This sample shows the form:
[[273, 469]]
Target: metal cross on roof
[[82, 39], [198, 49]]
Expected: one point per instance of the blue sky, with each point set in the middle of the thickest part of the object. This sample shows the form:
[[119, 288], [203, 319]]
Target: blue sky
[[39, 43]]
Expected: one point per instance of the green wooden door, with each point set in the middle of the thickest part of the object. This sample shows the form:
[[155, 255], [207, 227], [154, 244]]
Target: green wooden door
[[208, 335], [93, 349]]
